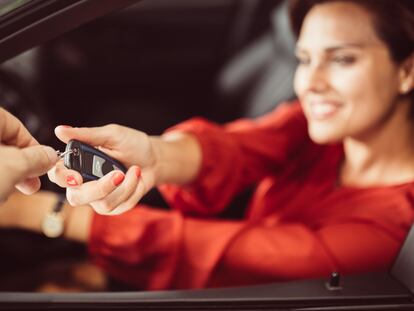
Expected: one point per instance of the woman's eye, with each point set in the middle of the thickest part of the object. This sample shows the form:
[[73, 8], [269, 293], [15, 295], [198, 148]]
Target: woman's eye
[[344, 60]]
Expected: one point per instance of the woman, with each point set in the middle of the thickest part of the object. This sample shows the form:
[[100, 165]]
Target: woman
[[334, 171]]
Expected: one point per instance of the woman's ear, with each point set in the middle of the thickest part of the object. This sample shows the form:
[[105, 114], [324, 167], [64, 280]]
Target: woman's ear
[[407, 75]]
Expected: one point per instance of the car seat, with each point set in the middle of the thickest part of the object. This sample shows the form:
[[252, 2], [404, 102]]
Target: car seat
[[261, 74]]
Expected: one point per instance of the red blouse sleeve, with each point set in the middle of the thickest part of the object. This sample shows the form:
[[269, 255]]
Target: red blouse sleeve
[[237, 155], [155, 249]]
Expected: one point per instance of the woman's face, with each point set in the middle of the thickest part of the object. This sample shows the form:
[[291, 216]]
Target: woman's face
[[345, 80]]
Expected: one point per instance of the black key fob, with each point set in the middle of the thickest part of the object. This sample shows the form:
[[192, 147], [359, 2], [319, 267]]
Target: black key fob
[[90, 162]]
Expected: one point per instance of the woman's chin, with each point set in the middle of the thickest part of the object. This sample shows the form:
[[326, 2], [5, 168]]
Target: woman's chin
[[324, 136]]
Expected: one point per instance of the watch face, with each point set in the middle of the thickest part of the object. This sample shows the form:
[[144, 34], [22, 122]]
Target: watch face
[[52, 225]]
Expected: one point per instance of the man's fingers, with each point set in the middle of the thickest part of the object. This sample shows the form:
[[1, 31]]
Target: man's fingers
[[34, 161], [13, 132], [29, 185], [23, 166], [37, 160]]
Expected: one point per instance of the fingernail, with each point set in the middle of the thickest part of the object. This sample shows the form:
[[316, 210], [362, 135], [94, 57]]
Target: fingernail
[[118, 178], [71, 181], [51, 154], [138, 172], [65, 126]]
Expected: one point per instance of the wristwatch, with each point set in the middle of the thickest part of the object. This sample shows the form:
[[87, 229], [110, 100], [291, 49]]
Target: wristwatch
[[53, 223]]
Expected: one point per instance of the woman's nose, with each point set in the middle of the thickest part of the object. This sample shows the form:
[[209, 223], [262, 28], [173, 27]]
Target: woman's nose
[[316, 79]]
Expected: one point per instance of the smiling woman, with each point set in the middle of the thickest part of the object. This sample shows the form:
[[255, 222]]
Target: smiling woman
[[355, 84], [333, 171]]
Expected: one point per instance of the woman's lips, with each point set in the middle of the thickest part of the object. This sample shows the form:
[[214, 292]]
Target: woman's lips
[[321, 110]]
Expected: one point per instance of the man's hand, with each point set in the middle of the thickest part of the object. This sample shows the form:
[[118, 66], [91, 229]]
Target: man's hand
[[22, 159]]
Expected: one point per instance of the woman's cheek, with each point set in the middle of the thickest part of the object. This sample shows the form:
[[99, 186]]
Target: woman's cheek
[[298, 82], [348, 82]]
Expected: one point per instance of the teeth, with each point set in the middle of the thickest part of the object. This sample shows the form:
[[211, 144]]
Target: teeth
[[322, 109]]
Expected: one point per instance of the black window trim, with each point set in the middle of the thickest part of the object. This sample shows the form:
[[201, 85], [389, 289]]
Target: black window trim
[[40, 20]]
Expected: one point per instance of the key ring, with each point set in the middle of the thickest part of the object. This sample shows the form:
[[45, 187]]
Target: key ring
[[61, 154]]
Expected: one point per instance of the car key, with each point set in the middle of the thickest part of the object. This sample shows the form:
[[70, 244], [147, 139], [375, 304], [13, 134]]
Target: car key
[[90, 162]]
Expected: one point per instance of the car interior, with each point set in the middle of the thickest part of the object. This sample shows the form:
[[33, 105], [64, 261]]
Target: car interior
[[149, 66]]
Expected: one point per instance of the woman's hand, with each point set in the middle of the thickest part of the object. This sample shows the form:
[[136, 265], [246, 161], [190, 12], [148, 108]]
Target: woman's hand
[[114, 193], [22, 159], [28, 212]]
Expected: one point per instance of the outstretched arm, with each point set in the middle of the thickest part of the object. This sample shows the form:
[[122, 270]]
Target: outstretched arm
[[173, 158]]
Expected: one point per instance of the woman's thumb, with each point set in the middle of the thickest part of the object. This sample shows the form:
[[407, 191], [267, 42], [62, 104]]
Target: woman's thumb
[[95, 136]]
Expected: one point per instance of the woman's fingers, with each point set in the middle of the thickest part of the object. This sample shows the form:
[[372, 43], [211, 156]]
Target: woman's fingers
[[132, 201], [64, 177], [95, 136], [94, 190], [120, 195], [112, 194]]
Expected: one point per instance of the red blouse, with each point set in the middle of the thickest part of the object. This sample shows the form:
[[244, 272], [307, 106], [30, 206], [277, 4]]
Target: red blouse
[[299, 223]]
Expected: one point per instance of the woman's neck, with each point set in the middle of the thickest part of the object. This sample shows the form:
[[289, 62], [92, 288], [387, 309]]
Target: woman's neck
[[383, 158]]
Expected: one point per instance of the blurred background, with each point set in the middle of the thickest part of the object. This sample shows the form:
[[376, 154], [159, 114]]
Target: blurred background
[[149, 67]]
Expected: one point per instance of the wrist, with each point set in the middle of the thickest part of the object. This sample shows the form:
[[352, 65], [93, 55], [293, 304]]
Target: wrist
[[26, 212], [9, 211], [178, 158], [158, 166]]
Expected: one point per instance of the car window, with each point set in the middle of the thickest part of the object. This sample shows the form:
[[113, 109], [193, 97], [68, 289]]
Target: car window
[[149, 66]]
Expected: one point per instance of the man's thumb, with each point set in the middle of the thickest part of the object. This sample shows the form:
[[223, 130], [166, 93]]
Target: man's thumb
[[31, 162], [38, 160]]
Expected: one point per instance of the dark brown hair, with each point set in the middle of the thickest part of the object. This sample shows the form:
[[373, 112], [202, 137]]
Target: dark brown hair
[[393, 23]]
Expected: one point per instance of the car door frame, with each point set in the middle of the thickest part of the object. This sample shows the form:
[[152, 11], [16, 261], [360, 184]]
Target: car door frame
[[41, 20]]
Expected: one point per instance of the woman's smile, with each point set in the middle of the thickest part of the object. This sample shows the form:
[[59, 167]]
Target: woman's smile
[[323, 109]]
